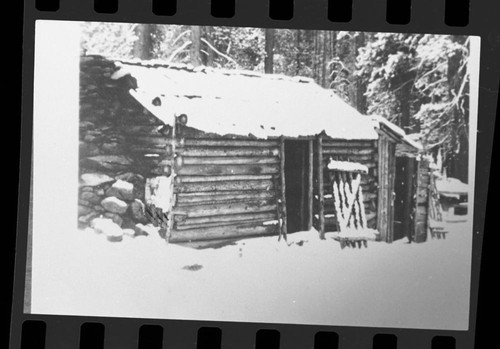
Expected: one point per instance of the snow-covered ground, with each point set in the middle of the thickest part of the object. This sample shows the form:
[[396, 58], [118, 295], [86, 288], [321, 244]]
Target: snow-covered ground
[[258, 280]]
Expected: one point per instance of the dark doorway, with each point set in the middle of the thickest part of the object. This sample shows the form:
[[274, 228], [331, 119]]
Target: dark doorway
[[404, 199], [297, 178]]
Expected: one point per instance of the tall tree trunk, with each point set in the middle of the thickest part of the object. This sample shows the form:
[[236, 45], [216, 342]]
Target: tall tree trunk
[[269, 59], [323, 60], [143, 47], [298, 53], [351, 66], [458, 164], [210, 53], [195, 50], [333, 54], [315, 56], [361, 103]]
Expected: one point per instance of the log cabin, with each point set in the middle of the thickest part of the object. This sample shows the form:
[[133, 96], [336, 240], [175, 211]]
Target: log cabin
[[230, 154]]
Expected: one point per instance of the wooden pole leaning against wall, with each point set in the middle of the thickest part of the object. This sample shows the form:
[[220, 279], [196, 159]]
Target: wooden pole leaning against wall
[[321, 189], [310, 186], [283, 230], [170, 152]]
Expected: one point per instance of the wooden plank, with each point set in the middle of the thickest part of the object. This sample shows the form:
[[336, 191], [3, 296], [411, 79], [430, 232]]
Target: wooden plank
[[321, 188], [184, 227], [382, 197], [230, 143], [232, 219], [392, 175], [224, 186], [302, 187], [199, 179], [410, 202], [223, 209], [310, 184], [224, 232], [229, 160], [219, 151], [217, 170], [283, 188]]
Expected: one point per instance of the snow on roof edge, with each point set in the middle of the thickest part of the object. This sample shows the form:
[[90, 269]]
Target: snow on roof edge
[[326, 113], [398, 131]]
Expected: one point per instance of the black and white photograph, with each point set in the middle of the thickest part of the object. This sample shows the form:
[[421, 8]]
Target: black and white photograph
[[243, 174]]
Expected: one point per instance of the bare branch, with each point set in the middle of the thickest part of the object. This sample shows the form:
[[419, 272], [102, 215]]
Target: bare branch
[[220, 53], [178, 50], [180, 36]]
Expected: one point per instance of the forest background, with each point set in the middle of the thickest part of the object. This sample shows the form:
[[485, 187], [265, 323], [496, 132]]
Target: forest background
[[417, 81]]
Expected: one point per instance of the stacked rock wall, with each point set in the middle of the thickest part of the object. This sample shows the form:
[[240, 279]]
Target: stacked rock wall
[[112, 175]]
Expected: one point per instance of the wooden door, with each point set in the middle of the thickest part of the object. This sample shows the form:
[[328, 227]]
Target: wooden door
[[386, 194], [404, 203]]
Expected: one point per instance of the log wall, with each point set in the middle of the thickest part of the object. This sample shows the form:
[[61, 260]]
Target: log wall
[[361, 151], [226, 188]]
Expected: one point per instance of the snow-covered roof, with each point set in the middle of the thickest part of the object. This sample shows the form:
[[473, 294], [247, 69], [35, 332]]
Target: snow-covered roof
[[451, 186], [244, 102], [397, 131]]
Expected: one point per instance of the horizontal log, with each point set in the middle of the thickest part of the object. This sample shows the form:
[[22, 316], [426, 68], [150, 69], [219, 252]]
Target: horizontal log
[[226, 196], [223, 209], [147, 149], [229, 231], [370, 158], [230, 143], [350, 143], [243, 151], [224, 186], [214, 243], [196, 179], [262, 216], [213, 170], [229, 160], [349, 151]]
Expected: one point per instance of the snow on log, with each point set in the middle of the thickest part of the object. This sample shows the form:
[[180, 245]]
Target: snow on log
[[196, 179], [225, 219], [349, 151], [184, 199], [217, 151], [229, 143], [347, 166]]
